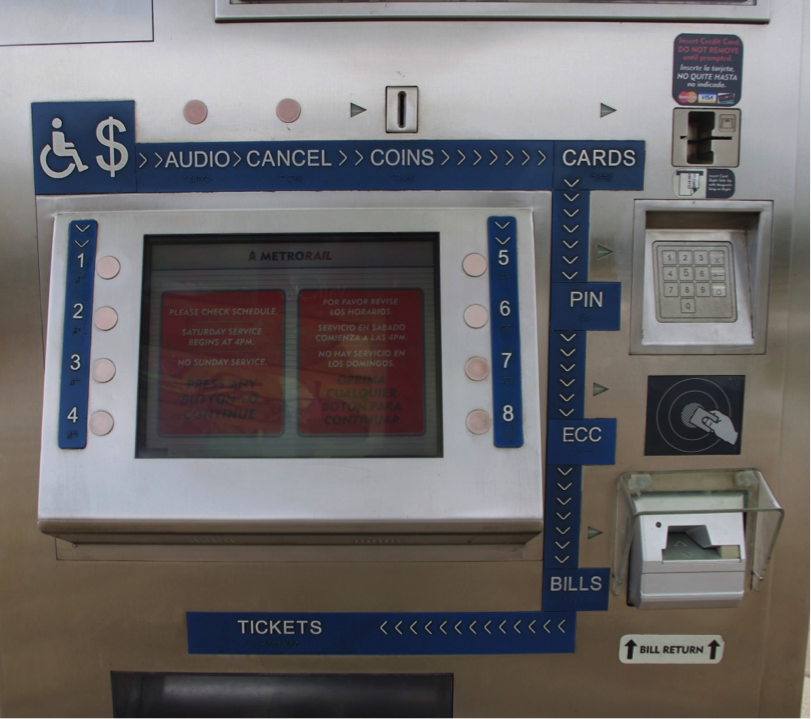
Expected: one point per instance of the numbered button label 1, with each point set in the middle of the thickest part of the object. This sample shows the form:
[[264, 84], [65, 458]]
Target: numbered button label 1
[[76, 334], [505, 337]]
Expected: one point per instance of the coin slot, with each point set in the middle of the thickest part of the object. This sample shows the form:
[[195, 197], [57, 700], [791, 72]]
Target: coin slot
[[401, 109]]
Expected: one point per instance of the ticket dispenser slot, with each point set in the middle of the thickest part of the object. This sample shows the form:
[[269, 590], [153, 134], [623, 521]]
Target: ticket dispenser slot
[[692, 539], [287, 695]]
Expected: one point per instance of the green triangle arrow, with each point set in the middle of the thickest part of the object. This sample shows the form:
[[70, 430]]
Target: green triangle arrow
[[603, 251], [355, 109], [594, 532], [597, 389]]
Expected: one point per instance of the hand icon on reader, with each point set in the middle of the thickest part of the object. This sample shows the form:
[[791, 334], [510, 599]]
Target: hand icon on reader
[[694, 415]]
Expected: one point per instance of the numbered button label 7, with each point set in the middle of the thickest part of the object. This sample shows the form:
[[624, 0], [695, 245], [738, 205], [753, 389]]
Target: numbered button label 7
[[81, 258], [508, 426]]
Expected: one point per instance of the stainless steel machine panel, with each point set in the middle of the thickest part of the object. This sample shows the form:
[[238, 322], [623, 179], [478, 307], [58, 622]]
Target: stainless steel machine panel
[[183, 582]]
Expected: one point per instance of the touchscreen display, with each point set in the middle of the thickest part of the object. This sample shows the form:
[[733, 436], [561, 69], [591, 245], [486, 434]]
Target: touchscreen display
[[290, 346]]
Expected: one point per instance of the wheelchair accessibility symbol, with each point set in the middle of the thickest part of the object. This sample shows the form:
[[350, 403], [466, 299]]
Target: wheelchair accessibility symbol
[[59, 147]]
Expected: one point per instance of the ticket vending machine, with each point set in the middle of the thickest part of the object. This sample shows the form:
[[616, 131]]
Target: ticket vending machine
[[404, 359]]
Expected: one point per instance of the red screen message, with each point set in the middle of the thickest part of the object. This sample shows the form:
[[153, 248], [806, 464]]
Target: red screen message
[[361, 362], [222, 363]]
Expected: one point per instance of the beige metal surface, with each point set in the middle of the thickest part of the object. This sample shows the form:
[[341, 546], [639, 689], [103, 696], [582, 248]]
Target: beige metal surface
[[71, 615]]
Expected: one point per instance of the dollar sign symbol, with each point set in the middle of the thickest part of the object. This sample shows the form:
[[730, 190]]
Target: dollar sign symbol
[[110, 125]]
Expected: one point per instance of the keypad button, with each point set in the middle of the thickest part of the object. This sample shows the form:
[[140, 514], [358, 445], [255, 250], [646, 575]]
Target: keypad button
[[687, 289], [700, 257], [670, 273], [718, 273], [702, 289], [669, 257], [716, 257], [685, 257], [671, 289], [719, 290], [685, 273], [702, 274], [688, 306]]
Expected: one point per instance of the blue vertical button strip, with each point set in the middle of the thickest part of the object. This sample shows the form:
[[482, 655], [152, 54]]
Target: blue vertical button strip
[[570, 235], [508, 423], [380, 633], [81, 260], [567, 375], [562, 515]]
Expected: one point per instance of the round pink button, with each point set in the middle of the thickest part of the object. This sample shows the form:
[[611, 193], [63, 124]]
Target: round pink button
[[476, 316], [105, 318], [474, 265], [477, 368], [288, 110], [101, 423], [103, 370], [108, 267], [479, 422], [195, 112]]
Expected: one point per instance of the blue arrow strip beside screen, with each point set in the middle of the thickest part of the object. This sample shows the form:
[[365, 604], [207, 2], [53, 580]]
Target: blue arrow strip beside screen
[[81, 263], [364, 634], [505, 334]]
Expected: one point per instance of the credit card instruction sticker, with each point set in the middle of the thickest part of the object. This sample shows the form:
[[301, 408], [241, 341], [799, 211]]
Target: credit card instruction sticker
[[221, 363], [361, 362]]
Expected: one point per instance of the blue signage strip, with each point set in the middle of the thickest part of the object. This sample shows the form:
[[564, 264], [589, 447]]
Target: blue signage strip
[[583, 441], [505, 342], [567, 375], [575, 590], [345, 165], [562, 526], [380, 634], [76, 331], [83, 148], [90, 147], [585, 306], [599, 165], [570, 236]]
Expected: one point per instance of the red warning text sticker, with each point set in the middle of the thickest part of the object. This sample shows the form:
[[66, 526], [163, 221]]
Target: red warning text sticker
[[221, 363], [361, 363]]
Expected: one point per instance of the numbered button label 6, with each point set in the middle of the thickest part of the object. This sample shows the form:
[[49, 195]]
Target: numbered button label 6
[[76, 334]]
